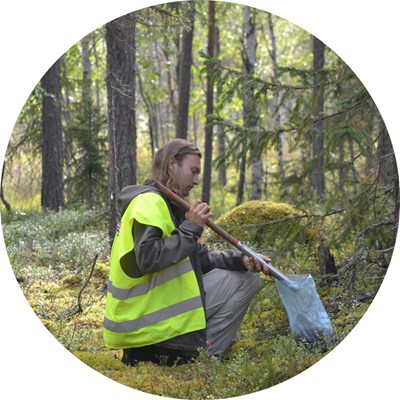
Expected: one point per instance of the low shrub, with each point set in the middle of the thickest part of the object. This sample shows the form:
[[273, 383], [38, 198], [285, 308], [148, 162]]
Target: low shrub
[[266, 224]]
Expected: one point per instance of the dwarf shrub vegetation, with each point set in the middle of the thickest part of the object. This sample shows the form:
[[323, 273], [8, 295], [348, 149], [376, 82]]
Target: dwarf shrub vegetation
[[278, 229], [52, 255]]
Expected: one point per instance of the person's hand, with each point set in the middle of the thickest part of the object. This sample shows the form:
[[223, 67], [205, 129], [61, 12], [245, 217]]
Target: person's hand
[[198, 213], [253, 265]]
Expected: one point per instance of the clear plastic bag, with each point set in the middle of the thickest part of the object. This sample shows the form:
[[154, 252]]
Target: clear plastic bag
[[308, 319]]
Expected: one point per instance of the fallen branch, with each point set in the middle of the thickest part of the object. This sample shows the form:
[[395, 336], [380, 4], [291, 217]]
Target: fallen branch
[[86, 283], [78, 308]]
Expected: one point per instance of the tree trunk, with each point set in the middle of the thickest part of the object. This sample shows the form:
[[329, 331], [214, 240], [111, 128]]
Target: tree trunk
[[220, 129], [171, 83], [96, 64], [275, 105], [2, 197], [318, 176], [209, 108], [157, 114], [87, 103], [220, 151], [369, 154], [242, 180], [184, 75], [327, 265], [387, 168], [342, 169], [152, 118], [352, 166], [121, 84], [250, 119], [67, 140], [52, 157], [86, 69]]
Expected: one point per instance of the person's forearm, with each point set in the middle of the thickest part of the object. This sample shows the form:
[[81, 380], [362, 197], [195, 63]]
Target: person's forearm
[[229, 259]]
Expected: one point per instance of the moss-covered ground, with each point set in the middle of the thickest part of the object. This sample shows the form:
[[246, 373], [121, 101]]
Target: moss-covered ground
[[52, 256]]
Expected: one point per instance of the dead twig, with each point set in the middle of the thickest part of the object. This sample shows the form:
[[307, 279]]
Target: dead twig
[[78, 308]]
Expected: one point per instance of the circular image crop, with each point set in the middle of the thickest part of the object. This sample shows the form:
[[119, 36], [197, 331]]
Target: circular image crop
[[287, 152]]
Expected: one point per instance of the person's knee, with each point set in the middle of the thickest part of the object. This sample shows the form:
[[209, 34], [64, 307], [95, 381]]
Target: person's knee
[[253, 281]]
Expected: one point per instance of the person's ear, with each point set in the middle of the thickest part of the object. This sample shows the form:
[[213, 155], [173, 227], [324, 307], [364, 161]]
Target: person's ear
[[172, 165]]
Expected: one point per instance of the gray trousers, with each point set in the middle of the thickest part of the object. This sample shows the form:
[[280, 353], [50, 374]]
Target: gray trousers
[[228, 295]]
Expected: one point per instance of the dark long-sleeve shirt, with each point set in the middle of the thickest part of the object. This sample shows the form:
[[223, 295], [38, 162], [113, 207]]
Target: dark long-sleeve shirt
[[152, 253]]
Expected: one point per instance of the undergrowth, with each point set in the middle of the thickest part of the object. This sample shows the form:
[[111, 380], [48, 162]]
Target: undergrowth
[[53, 254]]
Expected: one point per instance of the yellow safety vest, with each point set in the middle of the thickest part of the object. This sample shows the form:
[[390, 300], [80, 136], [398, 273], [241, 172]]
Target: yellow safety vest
[[158, 306]]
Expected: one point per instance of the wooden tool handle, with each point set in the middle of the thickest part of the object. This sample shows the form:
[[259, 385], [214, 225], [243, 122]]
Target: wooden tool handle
[[186, 206], [235, 242]]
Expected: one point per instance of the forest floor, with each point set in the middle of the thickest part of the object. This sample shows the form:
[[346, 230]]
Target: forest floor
[[61, 263]]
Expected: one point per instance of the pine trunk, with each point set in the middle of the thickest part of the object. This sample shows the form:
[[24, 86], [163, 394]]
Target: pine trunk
[[121, 84], [2, 196], [87, 103], [318, 176], [52, 157], [184, 75], [249, 117], [67, 140], [242, 180], [275, 106], [387, 168], [208, 148], [219, 129]]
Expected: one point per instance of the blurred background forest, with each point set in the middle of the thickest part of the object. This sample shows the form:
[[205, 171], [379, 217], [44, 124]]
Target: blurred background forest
[[297, 162]]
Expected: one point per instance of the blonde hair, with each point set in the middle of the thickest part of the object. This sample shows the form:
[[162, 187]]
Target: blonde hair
[[176, 148]]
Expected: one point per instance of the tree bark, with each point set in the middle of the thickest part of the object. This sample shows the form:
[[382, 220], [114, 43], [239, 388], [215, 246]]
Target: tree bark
[[318, 176], [219, 129], [121, 86], [387, 168], [87, 104], [52, 156], [86, 69], [250, 118], [68, 152], [275, 105], [184, 75], [2, 197], [208, 148], [342, 169], [242, 180]]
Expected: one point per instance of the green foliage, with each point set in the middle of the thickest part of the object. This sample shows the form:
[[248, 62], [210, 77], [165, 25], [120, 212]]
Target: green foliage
[[52, 253], [276, 228], [264, 354], [85, 131], [38, 242], [347, 120]]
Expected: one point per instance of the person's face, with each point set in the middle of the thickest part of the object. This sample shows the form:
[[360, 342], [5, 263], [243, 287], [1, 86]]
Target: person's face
[[187, 174]]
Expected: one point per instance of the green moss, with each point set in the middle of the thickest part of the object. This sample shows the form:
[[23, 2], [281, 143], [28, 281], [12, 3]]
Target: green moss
[[264, 355], [101, 361], [265, 223], [256, 212], [101, 271], [52, 326], [72, 280], [348, 317]]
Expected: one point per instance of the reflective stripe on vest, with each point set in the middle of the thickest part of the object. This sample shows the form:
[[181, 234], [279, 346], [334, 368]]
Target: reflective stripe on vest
[[158, 306], [157, 280], [152, 318]]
